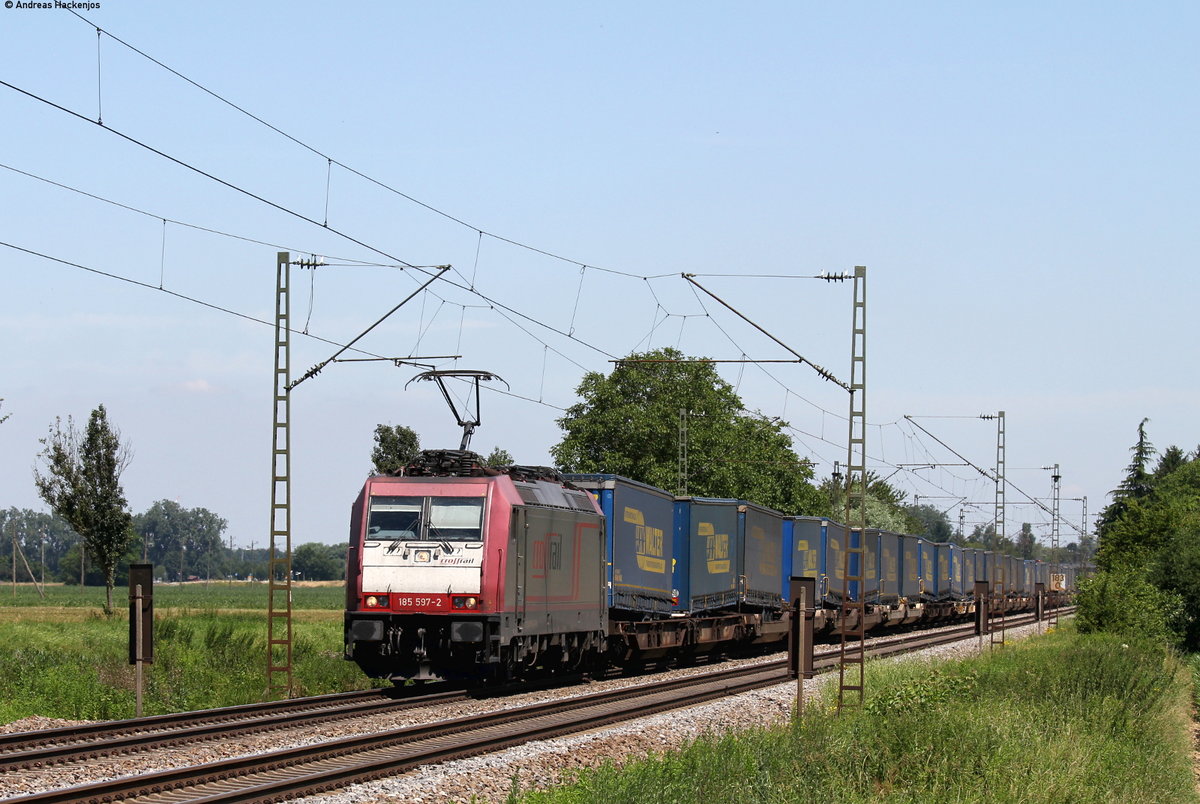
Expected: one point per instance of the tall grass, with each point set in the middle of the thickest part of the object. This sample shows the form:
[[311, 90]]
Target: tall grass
[[202, 659], [1064, 718]]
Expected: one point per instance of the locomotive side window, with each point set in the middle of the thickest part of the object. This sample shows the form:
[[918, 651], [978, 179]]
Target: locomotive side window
[[455, 519], [395, 518]]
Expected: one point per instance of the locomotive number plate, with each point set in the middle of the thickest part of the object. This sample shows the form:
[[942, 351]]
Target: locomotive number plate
[[420, 603]]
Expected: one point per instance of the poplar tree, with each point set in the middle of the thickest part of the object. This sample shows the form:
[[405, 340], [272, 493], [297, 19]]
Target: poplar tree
[[82, 484]]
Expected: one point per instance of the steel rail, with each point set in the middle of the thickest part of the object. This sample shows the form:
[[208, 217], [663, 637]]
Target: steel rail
[[104, 729], [289, 773], [33, 749], [119, 743], [347, 760]]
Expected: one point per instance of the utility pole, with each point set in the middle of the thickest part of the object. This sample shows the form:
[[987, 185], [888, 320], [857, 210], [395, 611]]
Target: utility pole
[[279, 567], [853, 639], [1000, 475], [1083, 526], [1055, 481], [996, 580], [681, 485], [1055, 496]]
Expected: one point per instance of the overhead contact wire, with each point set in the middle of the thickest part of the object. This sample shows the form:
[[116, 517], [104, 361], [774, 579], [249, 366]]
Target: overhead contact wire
[[203, 173], [175, 294]]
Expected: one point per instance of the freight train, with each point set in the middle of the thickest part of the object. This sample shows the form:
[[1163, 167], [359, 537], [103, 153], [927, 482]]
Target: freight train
[[461, 571]]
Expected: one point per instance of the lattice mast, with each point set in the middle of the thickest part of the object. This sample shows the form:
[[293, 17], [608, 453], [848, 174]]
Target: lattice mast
[[1056, 483], [681, 486], [279, 563], [999, 579], [851, 669]]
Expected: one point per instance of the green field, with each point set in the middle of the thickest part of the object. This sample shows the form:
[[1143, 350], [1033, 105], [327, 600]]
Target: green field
[[193, 595], [63, 658], [1063, 718]]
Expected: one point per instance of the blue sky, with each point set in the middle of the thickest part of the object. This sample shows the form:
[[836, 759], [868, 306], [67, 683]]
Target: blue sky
[[1020, 180]]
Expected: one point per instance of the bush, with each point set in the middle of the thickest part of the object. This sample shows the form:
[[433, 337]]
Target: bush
[[1123, 601], [1178, 571]]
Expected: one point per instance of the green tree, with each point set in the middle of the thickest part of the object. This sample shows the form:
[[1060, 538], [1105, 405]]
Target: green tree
[[1087, 548], [1026, 541], [499, 457], [1136, 486], [634, 421], [75, 564], [1171, 459], [933, 524], [395, 447], [1174, 511], [183, 541], [319, 562], [1151, 533], [885, 505], [82, 483], [985, 537], [44, 540]]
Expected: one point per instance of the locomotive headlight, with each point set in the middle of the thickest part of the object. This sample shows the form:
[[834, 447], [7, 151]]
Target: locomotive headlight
[[422, 555], [372, 601], [465, 602], [377, 601]]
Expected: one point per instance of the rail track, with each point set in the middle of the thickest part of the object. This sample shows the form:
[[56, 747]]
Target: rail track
[[289, 773]]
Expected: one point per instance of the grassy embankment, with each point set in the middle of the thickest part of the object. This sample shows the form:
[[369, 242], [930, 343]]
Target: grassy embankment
[[63, 658], [1062, 718]]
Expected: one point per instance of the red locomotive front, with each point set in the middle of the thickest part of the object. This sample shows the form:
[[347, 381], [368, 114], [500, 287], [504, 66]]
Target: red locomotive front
[[473, 572]]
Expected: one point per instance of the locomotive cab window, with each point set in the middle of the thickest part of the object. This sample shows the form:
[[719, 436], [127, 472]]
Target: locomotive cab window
[[395, 518], [456, 520], [450, 519]]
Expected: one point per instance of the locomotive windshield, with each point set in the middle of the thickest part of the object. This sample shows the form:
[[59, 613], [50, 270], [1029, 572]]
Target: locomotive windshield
[[454, 519]]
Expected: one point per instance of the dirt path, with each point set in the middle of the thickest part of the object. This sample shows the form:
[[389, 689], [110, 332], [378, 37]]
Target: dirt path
[[1196, 748]]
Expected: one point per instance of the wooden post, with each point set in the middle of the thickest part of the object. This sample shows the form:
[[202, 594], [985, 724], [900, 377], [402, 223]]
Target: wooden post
[[800, 635]]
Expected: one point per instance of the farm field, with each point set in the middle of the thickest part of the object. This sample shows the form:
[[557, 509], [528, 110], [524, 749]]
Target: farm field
[[63, 658], [249, 596]]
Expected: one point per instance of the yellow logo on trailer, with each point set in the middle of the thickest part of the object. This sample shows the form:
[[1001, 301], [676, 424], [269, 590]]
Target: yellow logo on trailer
[[810, 555], [648, 543], [716, 548]]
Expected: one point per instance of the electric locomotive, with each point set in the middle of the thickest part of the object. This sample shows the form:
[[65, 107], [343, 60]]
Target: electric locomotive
[[457, 570]]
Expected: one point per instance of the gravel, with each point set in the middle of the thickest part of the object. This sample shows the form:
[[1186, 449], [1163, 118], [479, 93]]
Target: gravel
[[483, 779]]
